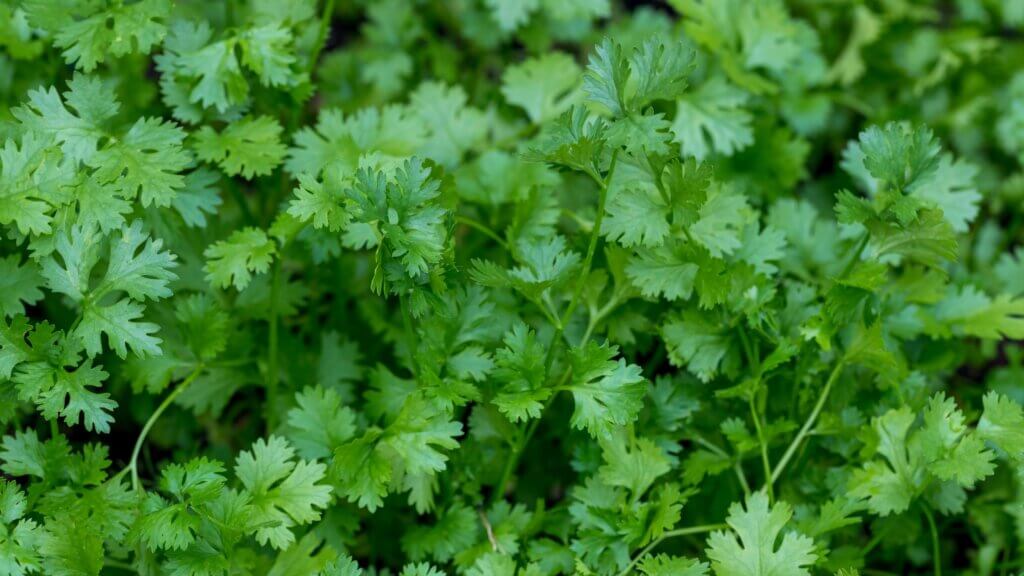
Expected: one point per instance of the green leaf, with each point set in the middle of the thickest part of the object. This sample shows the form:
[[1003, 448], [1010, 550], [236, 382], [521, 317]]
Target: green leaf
[[607, 393], [519, 367], [323, 204], [948, 450], [140, 273], [1010, 272], [233, 261], [78, 133], [640, 134], [61, 393], [969, 311], [120, 322], [344, 566], [750, 548], [70, 547], [660, 70], [32, 180], [696, 340], [664, 271], [636, 217], [411, 444], [606, 77], [283, 493], [199, 198], [18, 546], [718, 228], [91, 32], [146, 162], [405, 212], [897, 155], [387, 136], [268, 52], [19, 285], [664, 565], [511, 14], [1002, 423], [574, 139], [544, 87], [194, 69], [452, 127], [889, 487], [632, 464], [319, 423], [249, 147], [457, 529], [712, 120]]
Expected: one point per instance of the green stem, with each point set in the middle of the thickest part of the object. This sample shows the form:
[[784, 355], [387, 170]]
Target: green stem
[[764, 451], [595, 236], [465, 220], [243, 203], [556, 337], [517, 451], [754, 360], [410, 336], [272, 344], [671, 534], [936, 550], [321, 36], [599, 315], [808, 424], [861, 244], [118, 565], [736, 464], [133, 465]]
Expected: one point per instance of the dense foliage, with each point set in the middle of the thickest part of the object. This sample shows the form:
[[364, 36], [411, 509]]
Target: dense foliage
[[511, 287]]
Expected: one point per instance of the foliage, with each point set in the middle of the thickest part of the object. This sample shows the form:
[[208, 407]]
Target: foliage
[[511, 287]]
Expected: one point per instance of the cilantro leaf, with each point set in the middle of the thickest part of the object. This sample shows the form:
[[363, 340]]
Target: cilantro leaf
[[544, 87], [283, 493], [233, 261], [19, 285], [750, 548], [607, 393], [250, 147], [712, 119]]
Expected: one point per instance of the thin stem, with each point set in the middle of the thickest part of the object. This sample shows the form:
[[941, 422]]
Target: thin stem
[[808, 424], [506, 472], [754, 359], [118, 564], [133, 464], [517, 451], [410, 336], [764, 451], [321, 36], [671, 534], [595, 236], [545, 309], [861, 244], [695, 530], [596, 318], [556, 337], [243, 203], [272, 344], [736, 465], [482, 228], [876, 539], [936, 551]]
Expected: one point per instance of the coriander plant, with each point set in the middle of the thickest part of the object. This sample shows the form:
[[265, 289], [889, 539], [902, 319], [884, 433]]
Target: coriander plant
[[511, 287]]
